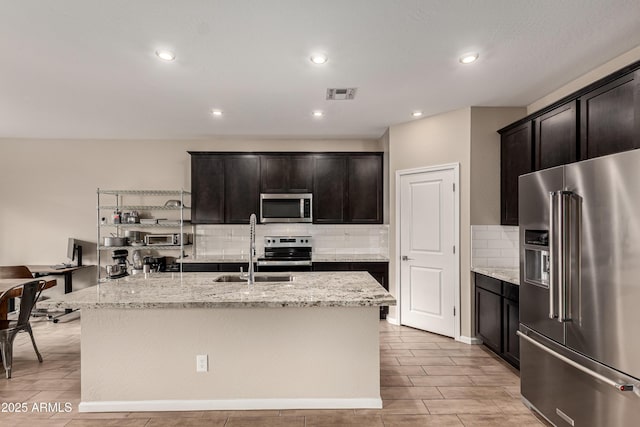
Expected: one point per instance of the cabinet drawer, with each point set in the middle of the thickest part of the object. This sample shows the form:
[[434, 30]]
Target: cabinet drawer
[[489, 284]]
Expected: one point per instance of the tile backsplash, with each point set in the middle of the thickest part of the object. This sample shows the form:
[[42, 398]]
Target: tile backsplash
[[494, 246], [217, 240]]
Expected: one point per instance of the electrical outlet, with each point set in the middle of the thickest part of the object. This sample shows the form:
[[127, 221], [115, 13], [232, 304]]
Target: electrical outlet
[[202, 363]]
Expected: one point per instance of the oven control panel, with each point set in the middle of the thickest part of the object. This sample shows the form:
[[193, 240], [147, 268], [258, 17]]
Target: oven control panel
[[287, 241]]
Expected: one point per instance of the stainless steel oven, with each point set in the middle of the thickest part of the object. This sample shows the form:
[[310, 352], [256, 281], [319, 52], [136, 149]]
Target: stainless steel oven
[[286, 253], [293, 207]]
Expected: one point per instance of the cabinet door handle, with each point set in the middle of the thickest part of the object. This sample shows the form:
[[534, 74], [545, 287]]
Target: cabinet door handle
[[405, 258]]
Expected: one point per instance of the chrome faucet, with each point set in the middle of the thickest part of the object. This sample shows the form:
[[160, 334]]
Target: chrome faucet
[[252, 248]]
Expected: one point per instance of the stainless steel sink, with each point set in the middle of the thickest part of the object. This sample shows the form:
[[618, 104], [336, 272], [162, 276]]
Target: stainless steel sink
[[258, 278]]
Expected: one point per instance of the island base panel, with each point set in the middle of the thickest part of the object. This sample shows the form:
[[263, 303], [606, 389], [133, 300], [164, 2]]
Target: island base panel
[[259, 358]]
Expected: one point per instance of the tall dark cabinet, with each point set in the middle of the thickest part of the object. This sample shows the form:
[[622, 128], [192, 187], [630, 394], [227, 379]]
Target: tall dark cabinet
[[365, 189], [329, 189], [241, 187], [610, 119], [556, 137], [515, 160], [207, 189]]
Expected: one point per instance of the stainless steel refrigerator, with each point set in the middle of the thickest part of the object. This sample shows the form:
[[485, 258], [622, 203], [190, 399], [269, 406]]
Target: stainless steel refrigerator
[[580, 291]]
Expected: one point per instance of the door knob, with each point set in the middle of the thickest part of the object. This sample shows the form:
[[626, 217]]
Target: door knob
[[405, 258]]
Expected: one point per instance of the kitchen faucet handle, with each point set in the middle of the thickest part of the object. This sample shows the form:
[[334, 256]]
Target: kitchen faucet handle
[[242, 273]]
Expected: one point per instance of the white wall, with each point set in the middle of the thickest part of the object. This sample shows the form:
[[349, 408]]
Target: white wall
[[48, 187], [259, 358], [467, 136], [436, 140], [485, 160], [605, 69]]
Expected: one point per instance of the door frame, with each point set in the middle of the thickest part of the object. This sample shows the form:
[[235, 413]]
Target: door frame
[[455, 167]]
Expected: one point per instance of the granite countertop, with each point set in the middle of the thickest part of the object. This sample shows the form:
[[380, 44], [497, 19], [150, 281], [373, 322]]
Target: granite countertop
[[511, 275], [198, 290], [315, 258]]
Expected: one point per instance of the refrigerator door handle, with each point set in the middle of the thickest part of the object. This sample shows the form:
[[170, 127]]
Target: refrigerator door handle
[[565, 238], [552, 253], [617, 385]]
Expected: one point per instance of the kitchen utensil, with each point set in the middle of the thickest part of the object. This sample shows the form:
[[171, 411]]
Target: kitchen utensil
[[116, 270], [137, 260], [115, 241], [173, 204], [134, 217], [134, 236], [156, 264]]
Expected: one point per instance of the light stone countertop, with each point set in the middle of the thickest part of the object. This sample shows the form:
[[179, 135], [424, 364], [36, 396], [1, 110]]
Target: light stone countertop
[[198, 290], [511, 275], [315, 258]]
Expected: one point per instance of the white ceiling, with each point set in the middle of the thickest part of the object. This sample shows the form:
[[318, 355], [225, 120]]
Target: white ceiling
[[87, 68]]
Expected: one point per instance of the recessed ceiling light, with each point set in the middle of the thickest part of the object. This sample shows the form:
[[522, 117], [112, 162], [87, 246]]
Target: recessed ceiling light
[[216, 113], [319, 58], [165, 55], [468, 58], [417, 114], [317, 113]]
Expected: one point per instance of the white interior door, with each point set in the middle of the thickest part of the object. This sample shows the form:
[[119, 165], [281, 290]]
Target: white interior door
[[428, 239]]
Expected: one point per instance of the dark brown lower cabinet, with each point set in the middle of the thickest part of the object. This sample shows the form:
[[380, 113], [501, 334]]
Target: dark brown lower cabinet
[[497, 317], [489, 319]]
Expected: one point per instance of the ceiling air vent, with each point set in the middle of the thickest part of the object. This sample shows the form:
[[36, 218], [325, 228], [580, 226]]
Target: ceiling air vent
[[341, 94]]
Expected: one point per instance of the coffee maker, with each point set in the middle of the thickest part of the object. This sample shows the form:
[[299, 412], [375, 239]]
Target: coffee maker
[[119, 268]]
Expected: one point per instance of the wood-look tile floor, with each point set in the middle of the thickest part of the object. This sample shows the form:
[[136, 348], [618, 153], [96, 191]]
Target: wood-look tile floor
[[426, 380]]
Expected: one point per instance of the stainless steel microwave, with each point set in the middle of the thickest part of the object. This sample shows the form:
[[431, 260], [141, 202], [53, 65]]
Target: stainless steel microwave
[[293, 207]]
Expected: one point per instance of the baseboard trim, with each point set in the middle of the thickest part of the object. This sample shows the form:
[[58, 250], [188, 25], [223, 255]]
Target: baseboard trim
[[227, 404], [393, 320], [469, 340]]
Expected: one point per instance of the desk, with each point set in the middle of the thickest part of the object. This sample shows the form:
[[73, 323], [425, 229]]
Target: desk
[[46, 270]]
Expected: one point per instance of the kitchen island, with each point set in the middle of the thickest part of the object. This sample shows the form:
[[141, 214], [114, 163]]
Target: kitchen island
[[307, 343]]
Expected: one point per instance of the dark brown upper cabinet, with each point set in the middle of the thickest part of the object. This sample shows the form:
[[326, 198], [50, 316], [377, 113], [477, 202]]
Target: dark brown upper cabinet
[[207, 189], [286, 174], [515, 160], [330, 189], [610, 118], [556, 137], [347, 188], [225, 188], [365, 189], [241, 188]]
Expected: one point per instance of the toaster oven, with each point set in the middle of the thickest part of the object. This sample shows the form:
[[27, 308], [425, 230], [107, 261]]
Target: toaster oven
[[170, 239]]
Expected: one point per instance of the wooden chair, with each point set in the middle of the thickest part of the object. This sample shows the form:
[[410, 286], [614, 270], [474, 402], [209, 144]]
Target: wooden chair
[[29, 293], [17, 272]]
